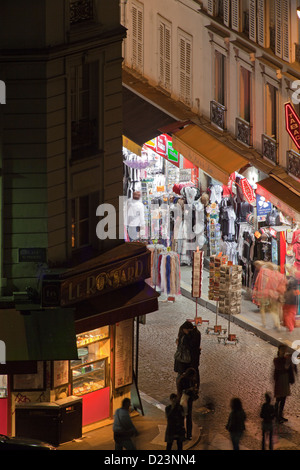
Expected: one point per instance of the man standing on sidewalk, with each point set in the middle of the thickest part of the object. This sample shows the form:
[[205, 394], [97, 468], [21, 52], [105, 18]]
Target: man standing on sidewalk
[[124, 428]]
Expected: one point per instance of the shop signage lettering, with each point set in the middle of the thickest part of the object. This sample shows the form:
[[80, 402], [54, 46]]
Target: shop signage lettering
[[292, 124], [102, 281], [161, 145], [172, 154], [248, 191]]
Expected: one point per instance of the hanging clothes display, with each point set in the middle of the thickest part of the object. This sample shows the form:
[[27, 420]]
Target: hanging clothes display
[[169, 273]]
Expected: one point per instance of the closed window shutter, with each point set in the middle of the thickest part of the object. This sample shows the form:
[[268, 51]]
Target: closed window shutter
[[137, 39], [164, 56], [286, 52], [261, 22], [226, 12], [278, 28], [167, 58], [161, 54], [185, 70], [212, 7], [252, 20], [236, 15]]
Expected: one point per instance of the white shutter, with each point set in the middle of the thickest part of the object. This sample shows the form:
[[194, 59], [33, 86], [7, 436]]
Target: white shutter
[[278, 28], [252, 20], [137, 38], [226, 12], [261, 22], [161, 65], [212, 7], [167, 58], [236, 15], [164, 56], [286, 51], [185, 75]]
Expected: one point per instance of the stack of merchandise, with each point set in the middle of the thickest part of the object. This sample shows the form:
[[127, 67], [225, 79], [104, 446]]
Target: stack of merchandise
[[215, 264], [230, 293], [197, 273]]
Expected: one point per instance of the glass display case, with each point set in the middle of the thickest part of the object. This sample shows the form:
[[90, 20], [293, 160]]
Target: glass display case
[[90, 372]]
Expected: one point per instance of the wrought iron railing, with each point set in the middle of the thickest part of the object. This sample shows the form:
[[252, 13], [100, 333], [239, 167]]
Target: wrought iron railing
[[243, 131], [81, 11], [269, 148], [293, 163], [217, 114]]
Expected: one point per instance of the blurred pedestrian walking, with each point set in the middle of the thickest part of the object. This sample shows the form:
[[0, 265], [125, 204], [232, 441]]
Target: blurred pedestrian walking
[[290, 304], [187, 384], [123, 428], [284, 375], [236, 422], [267, 414], [190, 338], [175, 423]]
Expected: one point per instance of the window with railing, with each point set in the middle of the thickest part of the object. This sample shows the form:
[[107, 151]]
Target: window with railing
[[293, 163], [81, 11]]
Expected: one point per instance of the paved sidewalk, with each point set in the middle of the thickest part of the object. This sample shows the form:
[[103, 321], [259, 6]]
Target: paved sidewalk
[[249, 318]]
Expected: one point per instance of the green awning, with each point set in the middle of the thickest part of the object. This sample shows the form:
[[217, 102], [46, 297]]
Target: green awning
[[38, 335]]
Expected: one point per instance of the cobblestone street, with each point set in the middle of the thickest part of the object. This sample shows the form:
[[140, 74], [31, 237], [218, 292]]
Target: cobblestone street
[[243, 370]]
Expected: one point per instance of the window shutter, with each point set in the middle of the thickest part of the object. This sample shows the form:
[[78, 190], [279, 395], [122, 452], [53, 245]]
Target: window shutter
[[226, 12], [137, 38], [164, 56], [278, 28], [161, 53], [236, 15], [212, 7], [286, 52], [167, 58], [185, 51], [252, 20], [261, 22]]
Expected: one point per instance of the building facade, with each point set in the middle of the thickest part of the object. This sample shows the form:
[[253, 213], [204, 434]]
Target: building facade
[[230, 66]]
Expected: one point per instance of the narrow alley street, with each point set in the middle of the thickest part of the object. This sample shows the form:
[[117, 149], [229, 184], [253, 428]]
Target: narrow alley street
[[243, 369]]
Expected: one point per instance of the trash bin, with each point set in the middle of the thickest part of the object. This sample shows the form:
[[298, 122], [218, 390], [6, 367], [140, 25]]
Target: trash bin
[[71, 418], [55, 422]]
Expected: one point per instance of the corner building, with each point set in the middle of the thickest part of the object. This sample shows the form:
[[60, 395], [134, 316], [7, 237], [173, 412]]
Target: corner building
[[61, 157]]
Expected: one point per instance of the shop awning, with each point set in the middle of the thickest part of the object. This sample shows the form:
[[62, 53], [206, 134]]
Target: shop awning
[[132, 301], [207, 152], [38, 335], [280, 196], [141, 119]]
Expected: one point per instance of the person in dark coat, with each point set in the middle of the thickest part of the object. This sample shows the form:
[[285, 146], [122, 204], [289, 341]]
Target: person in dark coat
[[236, 422], [284, 371], [267, 414], [186, 382], [191, 337], [175, 423]]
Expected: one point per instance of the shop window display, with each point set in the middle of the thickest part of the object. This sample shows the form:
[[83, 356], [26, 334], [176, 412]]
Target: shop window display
[[90, 372]]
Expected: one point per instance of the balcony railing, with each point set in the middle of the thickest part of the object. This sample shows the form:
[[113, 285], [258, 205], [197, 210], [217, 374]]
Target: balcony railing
[[81, 11], [269, 148], [217, 114], [243, 131], [293, 163]]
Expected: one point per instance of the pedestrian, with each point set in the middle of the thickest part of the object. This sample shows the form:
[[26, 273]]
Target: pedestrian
[[124, 428], [267, 414], [284, 371], [190, 337], [187, 384], [290, 304], [175, 423], [236, 422]]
